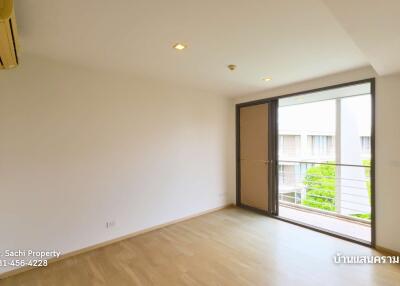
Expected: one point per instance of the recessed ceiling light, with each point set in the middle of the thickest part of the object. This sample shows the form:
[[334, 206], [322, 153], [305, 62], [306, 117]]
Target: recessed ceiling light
[[179, 46], [267, 79]]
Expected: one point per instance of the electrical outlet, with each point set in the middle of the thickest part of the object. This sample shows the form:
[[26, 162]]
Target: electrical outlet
[[110, 224]]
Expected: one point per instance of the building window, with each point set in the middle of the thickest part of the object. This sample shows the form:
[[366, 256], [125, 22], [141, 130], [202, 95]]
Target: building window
[[365, 144], [320, 145], [289, 145], [287, 175]]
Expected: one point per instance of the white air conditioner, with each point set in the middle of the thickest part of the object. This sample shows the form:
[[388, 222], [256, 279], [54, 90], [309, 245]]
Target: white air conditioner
[[8, 35]]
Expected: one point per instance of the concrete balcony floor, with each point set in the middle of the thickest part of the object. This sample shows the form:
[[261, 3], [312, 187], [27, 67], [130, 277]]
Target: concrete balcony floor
[[360, 231]]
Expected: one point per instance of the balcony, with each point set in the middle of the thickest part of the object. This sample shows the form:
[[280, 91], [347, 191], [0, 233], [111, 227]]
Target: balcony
[[328, 196], [361, 230]]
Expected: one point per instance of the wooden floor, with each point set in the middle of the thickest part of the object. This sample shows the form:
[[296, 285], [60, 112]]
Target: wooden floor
[[228, 247]]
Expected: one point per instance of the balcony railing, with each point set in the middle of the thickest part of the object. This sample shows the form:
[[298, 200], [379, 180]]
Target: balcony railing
[[340, 189]]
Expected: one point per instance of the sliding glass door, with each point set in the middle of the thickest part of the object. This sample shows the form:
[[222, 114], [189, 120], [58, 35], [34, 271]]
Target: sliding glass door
[[324, 163]]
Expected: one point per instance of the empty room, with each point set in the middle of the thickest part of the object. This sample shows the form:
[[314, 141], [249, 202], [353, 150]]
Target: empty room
[[182, 142]]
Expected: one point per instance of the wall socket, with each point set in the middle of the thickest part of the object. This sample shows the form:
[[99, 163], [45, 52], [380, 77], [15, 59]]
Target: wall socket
[[110, 224]]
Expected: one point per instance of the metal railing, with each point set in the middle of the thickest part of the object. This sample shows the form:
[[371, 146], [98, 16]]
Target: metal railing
[[342, 189]]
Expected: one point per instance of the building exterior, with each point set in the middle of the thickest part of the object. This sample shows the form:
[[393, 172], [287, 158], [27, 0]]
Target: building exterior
[[309, 134]]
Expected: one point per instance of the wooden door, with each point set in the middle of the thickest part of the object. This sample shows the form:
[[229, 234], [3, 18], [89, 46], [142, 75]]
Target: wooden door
[[254, 161]]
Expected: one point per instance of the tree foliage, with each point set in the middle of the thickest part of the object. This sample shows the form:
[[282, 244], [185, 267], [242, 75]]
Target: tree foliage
[[320, 183], [320, 186]]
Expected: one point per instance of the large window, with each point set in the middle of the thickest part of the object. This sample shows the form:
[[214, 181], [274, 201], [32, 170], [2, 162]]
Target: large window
[[325, 159]]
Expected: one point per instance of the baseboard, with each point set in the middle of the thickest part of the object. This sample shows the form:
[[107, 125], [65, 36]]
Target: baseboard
[[387, 251], [108, 242]]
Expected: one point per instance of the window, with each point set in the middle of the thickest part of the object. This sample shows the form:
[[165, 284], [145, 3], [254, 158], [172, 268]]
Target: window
[[320, 145], [366, 144], [289, 145], [331, 174], [287, 175]]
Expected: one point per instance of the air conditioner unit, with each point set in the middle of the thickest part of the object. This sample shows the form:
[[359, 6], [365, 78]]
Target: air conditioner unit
[[8, 35]]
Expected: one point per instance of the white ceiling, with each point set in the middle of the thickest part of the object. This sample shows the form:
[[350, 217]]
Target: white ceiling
[[288, 40], [374, 25]]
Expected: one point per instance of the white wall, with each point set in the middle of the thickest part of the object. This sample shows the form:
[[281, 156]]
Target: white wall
[[387, 144], [388, 161], [80, 147]]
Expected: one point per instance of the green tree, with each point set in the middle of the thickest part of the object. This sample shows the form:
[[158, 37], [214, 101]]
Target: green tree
[[320, 183], [366, 163], [320, 186]]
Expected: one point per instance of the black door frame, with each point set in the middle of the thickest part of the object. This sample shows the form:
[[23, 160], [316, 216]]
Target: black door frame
[[273, 151]]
